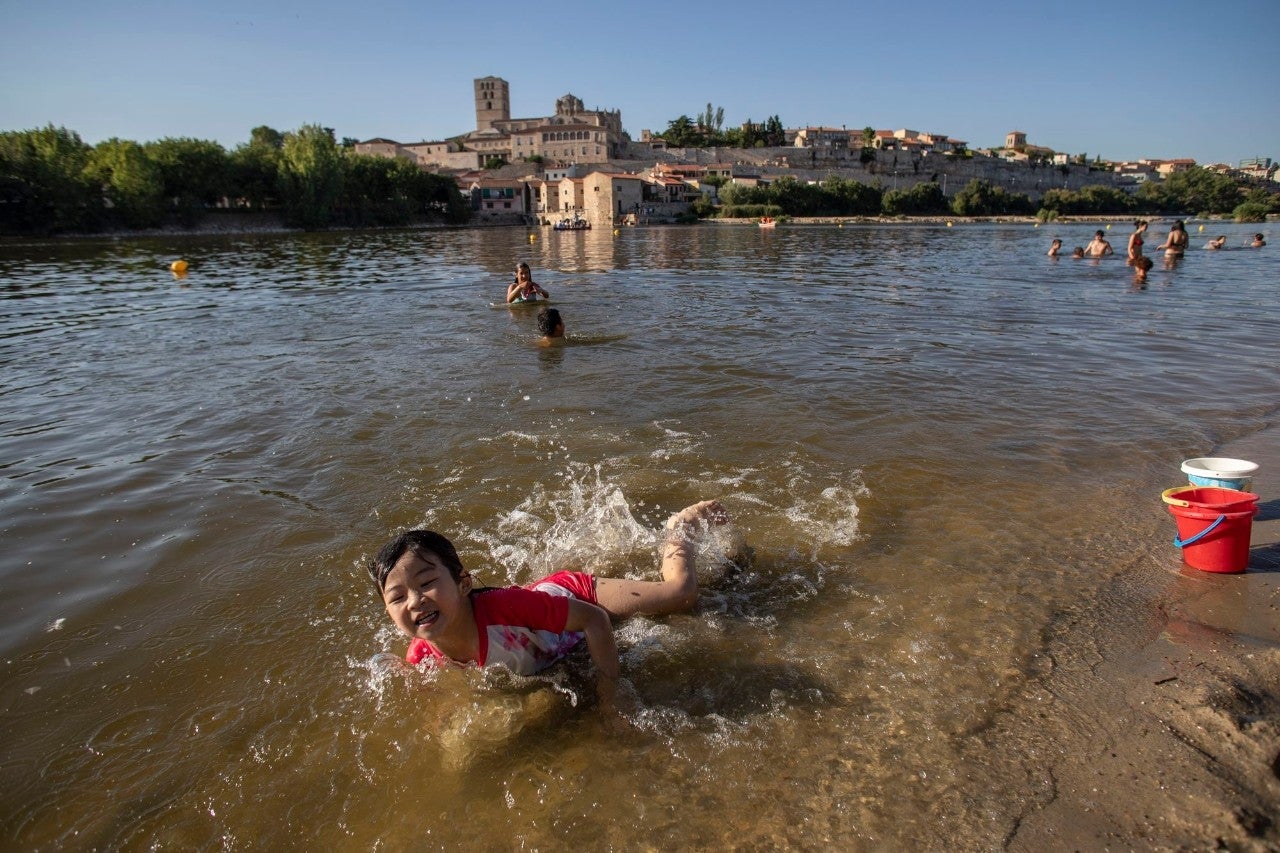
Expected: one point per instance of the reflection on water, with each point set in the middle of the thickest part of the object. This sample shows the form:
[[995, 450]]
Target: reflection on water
[[932, 441]]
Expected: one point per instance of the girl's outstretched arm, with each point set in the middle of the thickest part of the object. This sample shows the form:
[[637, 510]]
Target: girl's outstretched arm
[[594, 622]]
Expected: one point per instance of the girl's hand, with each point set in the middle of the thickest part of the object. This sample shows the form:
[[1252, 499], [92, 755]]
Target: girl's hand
[[618, 704]]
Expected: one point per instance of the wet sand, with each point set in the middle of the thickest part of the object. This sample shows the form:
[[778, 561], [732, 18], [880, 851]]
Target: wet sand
[[1162, 728]]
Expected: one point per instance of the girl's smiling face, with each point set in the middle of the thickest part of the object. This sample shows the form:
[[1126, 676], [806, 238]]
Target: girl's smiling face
[[422, 598]]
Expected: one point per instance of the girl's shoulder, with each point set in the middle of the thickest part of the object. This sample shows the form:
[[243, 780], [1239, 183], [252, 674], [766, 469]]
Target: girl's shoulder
[[516, 605]]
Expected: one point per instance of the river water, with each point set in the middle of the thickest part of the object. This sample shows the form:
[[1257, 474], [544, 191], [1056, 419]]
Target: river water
[[934, 441]]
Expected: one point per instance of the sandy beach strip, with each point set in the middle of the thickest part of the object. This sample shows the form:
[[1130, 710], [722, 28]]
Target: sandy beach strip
[[1164, 695]]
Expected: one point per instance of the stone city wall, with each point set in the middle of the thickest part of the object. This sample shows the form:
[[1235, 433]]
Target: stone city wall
[[889, 169]]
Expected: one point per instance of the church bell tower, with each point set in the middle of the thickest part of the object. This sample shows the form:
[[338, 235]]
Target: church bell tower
[[493, 101]]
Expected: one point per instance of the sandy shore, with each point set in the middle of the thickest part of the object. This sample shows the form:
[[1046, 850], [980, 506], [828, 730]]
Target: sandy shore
[[1163, 723]]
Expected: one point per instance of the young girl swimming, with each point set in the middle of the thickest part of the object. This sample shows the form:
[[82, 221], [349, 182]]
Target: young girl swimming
[[433, 600], [524, 288]]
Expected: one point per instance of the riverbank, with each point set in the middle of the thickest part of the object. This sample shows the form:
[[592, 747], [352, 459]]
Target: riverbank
[[966, 220], [230, 224], [266, 223], [1162, 724]]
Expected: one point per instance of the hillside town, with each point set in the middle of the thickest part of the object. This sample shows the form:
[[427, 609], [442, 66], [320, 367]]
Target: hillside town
[[577, 167]]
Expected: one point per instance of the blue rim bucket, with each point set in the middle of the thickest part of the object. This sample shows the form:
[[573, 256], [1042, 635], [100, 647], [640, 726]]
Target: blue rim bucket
[[1220, 472]]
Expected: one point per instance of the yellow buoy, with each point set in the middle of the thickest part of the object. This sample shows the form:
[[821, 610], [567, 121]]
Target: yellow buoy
[[1037, 224], [1108, 226], [839, 224], [616, 232], [948, 223], [178, 266], [1201, 227]]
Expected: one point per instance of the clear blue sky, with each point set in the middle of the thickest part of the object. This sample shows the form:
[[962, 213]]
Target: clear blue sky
[[1165, 79]]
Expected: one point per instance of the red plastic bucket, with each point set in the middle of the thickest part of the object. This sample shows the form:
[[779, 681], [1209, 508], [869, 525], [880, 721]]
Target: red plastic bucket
[[1212, 540], [1209, 497]]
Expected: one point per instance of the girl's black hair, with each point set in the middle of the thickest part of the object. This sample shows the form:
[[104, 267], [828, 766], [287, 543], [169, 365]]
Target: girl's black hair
[[420, 542]]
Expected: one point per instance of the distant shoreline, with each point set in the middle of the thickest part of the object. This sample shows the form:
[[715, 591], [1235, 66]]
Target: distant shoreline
[[269, 225]]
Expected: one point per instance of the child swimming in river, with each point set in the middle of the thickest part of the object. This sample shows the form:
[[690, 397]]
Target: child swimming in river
[[524, 288], [551, 327], [433, 600], [1141, 266]]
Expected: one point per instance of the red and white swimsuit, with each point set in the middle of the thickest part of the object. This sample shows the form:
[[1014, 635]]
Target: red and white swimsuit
[[522, 628]]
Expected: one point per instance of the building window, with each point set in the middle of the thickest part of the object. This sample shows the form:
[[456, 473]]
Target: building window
[[507, 205]]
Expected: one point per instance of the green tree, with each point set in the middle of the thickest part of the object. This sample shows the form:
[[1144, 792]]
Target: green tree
[[254, 167], [919, 200], [131, 184], [868, 137], [310, 176], [43, 181], [681, 132], [395, 191], [711, 121], [982, 198], [1093, 199], [266, 137], [851, 198], [1197, 190], [774, 134], [194, 172], [796, 198], [1249, 211], [1257, 203]]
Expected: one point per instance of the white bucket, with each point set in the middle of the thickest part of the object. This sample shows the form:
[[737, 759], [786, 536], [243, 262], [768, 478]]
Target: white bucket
[[1220, 473]]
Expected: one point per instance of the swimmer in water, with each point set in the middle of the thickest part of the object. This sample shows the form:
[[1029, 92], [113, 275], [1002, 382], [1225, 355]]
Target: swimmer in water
[[1141, 266], [1176, 243], [524, 288], [1055, 247], [450, 621], [1217, 243], [1077, 252], [1258, 241], [1098, 246], [551, 327], [1136, 241]]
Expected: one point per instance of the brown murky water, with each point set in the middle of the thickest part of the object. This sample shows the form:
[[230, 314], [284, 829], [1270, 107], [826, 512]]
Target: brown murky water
[[932, 439]]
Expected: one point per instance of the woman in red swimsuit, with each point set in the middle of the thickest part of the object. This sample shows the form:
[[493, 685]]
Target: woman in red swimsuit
[[1135, 241]]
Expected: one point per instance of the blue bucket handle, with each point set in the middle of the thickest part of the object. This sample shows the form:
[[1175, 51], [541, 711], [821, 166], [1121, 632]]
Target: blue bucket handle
[[1182, 543]]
